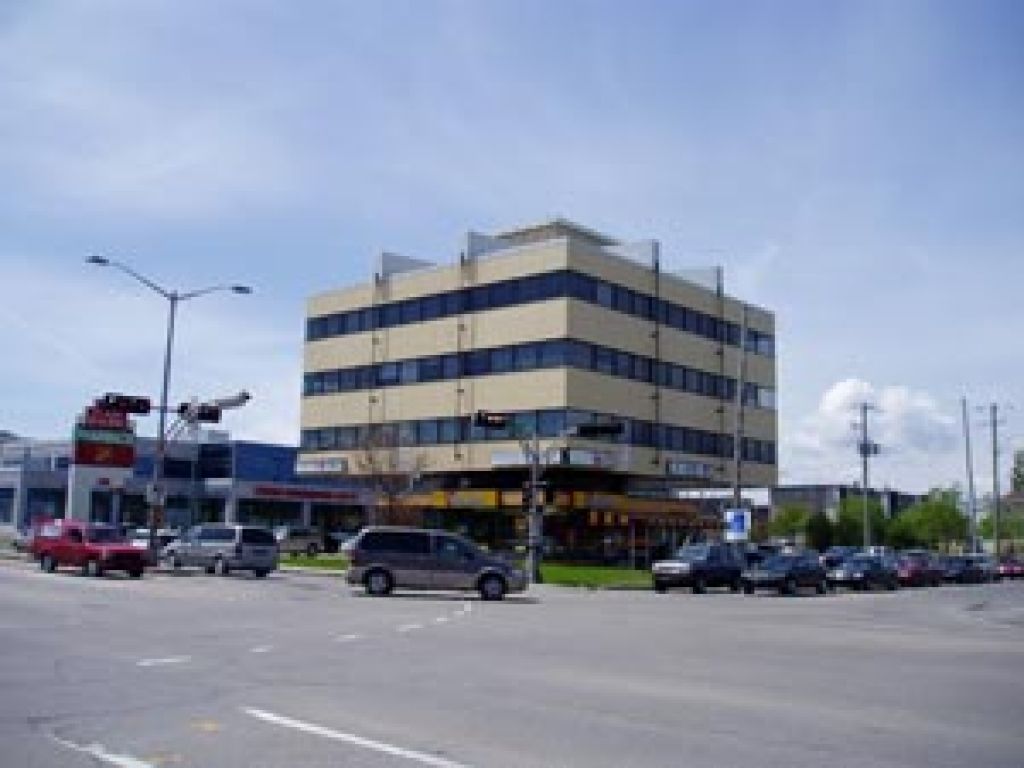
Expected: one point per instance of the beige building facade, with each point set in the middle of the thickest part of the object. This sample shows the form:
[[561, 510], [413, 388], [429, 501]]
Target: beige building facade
[[552, 326]]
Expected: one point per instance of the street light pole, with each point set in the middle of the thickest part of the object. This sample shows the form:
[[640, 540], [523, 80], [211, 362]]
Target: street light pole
[[173, 298]]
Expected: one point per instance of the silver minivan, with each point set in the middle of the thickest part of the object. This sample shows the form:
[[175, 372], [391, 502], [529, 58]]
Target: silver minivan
[[384, 557], [221, 549]]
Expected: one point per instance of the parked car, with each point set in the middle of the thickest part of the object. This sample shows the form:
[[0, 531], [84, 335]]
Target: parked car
[[221, 549], [299, 540], [336, 539], [960, 569], [786, 573], [139, 538], [382, 558], [1011, 567], [22, 540], [863, 572], [919, 568], [833, 556], [93, 548], [699, 566], [987, 565]]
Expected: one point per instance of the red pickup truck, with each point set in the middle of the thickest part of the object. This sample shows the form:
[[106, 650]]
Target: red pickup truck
[[93, 548]]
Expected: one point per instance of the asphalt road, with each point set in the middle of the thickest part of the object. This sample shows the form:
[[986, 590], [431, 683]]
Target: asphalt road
[[299, 671]]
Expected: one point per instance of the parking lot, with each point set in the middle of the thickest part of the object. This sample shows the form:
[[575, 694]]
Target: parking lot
[[296, 670]]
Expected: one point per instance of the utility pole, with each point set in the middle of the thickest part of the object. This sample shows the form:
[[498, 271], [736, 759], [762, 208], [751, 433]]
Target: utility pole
[[994, 415], [535, 524], [971, 508], [866, 448]]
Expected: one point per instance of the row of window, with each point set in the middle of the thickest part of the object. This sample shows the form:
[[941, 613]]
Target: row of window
[[547, 423], [555, 353], [550, 285]]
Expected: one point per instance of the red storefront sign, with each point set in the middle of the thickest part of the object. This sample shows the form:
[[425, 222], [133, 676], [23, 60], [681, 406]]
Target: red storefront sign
[[104, 455], [100, 418]]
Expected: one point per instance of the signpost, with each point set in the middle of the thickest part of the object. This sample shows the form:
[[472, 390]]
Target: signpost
[[737, 524]]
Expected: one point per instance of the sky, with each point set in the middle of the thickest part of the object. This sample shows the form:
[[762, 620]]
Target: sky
[[856, 167]]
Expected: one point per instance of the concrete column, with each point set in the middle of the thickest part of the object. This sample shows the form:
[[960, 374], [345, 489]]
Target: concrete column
[[230, 508], [307, 513]]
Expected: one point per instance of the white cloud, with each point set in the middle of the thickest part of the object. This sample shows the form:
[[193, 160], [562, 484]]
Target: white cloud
[[69, 336], [919, 438]]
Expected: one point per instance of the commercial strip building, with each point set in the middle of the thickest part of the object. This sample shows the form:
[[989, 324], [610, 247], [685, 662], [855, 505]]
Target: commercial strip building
[[825, 499], [214, 479], [554, 326]]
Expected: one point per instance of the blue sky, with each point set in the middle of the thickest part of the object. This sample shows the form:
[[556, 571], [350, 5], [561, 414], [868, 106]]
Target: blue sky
[[857, 167]]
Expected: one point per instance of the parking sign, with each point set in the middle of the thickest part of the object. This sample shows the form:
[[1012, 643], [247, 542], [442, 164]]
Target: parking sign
[[737, 524]]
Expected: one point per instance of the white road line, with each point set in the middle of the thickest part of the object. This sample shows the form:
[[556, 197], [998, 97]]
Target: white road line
[[467, 607], [165, 660], [99, 752], [261, 649], [410, 627], [441, 620], [347, 638], [359, 741]]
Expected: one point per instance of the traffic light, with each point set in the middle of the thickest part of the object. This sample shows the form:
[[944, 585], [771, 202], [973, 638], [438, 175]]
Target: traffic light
[[113, 401], [490, 420], [199, 412], [607, 429]]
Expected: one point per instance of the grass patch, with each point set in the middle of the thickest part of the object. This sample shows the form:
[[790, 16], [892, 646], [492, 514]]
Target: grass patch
[[594, 576], [327, 562]]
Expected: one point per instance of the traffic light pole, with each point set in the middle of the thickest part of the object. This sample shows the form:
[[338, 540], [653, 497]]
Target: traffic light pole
[[156, 508], [535, 529]]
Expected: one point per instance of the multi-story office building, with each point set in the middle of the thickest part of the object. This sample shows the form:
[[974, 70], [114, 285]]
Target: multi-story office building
[[555, 326]]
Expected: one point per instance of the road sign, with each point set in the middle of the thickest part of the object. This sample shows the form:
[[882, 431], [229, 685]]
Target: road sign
[[737, 524]]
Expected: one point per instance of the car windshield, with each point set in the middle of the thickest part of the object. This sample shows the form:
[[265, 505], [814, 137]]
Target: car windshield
[[691, 552], [103, 535], [860, 562]]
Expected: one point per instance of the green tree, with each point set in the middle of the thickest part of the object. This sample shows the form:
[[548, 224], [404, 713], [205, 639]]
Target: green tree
[[901, 534], [936, 521], [1018, 472], [849, 527], [789, 521], [819, 532], [1011, 525]]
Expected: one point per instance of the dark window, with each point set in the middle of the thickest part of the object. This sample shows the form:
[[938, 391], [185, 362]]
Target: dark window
[[532, 289], [409, 372], [366, 320], [450, 366], [552, 354], [477, 362], [391, 315], [676, 316], [217, 534], [624, 300], [604, 294], [527, 357], [678, 377], [432, 307], [503, 294], [449, 431], [604, 360], [330, 379], [346, 380], [397, 542], [579, 354], [346, 437], [477, 299], [260, 537], [623, 364], [582, 287], [642, 369], [406, 433], [430, 369], [503, 360], [643, 306], [453, 303], [428, 432], [387, 374], [411, 311], [550, 423]]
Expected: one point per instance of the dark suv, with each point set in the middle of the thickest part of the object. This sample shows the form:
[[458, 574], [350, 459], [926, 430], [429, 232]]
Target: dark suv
[[382, 558], [699, 566]]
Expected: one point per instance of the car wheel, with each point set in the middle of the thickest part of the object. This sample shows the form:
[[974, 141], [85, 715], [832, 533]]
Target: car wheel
[[312, 550], [260, 573], [136, 573], [699, 586], [492, 587], [221, 567], [894, 585], [176, 563], [660, 588], [822, 587], [48, 564], [788, 586], [378, 583], [93, 568], [734, 585], [209, 570], [748, 589]]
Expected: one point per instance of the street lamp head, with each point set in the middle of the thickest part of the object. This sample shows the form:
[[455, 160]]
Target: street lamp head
[[98, 261], [243, 289]]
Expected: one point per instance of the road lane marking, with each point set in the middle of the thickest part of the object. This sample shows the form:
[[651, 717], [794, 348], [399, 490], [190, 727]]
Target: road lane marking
[[441, 620], [410, 627], [351, 738], [261, 649], [99, 752], [347, 638], [163, 661]]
